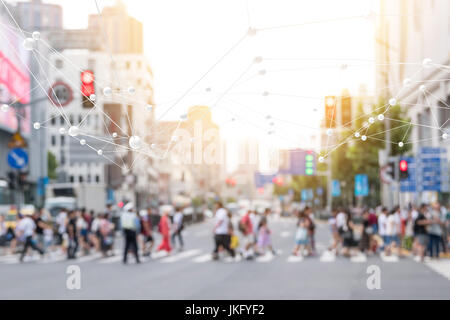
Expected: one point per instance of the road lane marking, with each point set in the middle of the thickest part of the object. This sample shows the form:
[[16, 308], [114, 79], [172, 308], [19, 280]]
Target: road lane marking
[[203, 258], [292, 259], [265, 258], [391, 258], [180, 256], [441, 266], [360, 258], [328, 256]]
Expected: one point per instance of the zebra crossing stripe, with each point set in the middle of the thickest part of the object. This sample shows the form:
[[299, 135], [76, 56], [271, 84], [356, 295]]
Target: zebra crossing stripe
[[203, 258], [442, 267], [391, 258], [328, 256], [112, 259], [292, 259], [360, 258], [265, 258], [180, 256]]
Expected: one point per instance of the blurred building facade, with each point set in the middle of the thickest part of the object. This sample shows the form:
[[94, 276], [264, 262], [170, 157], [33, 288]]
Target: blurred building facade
[[407, 33]]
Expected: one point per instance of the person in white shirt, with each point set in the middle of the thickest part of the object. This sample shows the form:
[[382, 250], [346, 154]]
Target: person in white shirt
[[25, 230], [177, 228], [222, 236], [61, 220], [382, 220]]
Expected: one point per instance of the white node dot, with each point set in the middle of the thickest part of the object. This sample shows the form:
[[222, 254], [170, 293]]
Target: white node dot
[[107, 91], [427, 62], [28, 44], [444, 136], [233, 119], [357, 134], [329, 132], [268, 117], [392, 101], [183, 116], [62, 130], [174, 139], [73, 131], [422, 88], [135, 142], [407, 82], [257, 60], [82, 142], [36, 35], [92, 97], [153, 146], [114, 134], [37, 125], [251, 32], [262, 72], [363, 138], [208, 89], [400, 144], [131, 90], [149, 107], [265, 93], [5, 107], [371, 120], [99, 152], [321, 159], [192, 139], [381, 117]]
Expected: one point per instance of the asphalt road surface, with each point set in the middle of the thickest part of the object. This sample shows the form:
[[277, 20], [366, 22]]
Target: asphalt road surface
[[191, 274]]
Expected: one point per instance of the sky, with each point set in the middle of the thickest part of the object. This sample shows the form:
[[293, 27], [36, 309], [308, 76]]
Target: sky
[[284, 93]]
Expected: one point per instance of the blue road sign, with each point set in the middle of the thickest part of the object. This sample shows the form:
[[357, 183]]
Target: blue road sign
[[335, 188], [432, 170], [361, 185], [17, 158], [263, 179]]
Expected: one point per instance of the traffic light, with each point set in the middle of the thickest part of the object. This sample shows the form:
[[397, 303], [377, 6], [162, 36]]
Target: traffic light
[[309, 163], [391, 170], [12, 180], [22, 179], [330, 111], [346, 109], [87, 88], [403, 169]]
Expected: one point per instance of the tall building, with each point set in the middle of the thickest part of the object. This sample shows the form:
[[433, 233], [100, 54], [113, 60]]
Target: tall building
[[35, 15], [409, 32], [122, 33]]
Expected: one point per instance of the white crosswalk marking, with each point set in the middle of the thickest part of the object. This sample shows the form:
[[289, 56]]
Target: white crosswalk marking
[[391, 258], [265, 258], [90, 257], [203, 258], [441, 266], [359, 258], [328, 256], [292, 259], [180, 256], [159, 255]]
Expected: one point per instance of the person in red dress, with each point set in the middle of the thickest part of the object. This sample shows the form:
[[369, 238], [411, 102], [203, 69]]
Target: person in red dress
[[164, 229]]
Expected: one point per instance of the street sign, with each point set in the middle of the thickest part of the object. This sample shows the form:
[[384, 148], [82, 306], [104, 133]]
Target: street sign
[[361, 185], [307, 194], [17, 158], [335, 188], [60, 94], [17, 141], [432, 170], [263, 179]]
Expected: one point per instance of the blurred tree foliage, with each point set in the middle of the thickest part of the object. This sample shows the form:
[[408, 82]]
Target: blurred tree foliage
[[52, 164]]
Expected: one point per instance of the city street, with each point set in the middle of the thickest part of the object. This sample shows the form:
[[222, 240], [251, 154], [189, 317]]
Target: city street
[[192, 275]]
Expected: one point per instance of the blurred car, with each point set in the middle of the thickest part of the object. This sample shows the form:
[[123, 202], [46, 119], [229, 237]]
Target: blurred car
[[54, 205]]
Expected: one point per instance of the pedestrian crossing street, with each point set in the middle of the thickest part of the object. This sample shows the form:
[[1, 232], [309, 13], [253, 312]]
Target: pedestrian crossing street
[[197, 256]]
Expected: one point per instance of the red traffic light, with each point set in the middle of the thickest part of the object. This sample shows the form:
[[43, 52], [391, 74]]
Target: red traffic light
[[403, 165]]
